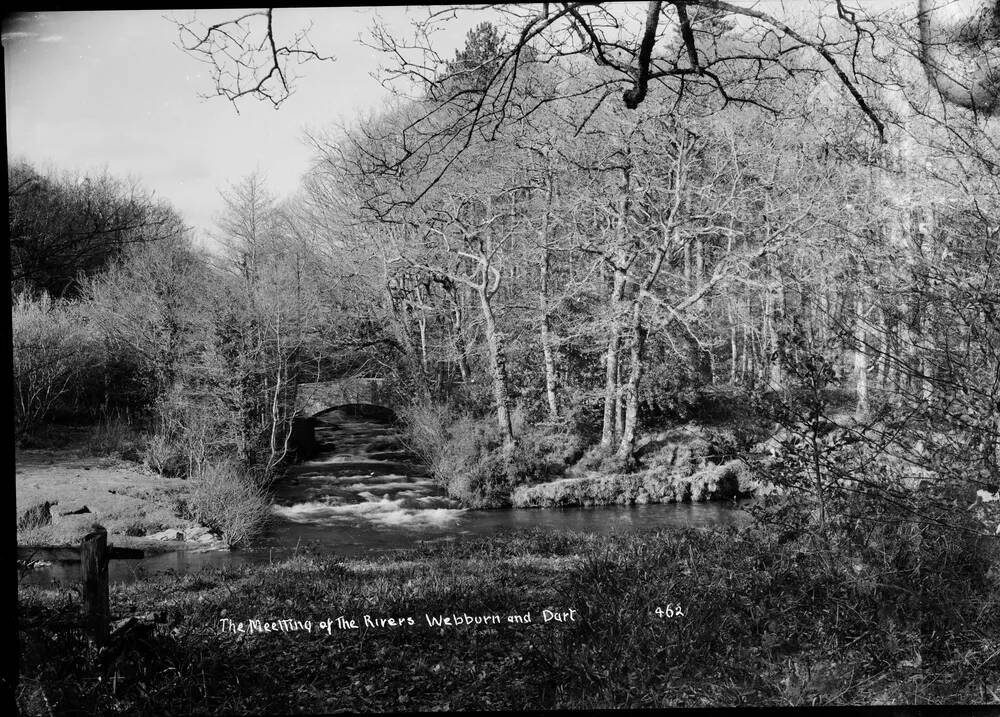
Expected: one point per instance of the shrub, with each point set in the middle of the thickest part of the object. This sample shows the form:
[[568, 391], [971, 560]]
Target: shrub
[[464, 454], [116, 435], [424, 427], [193, 428], [544, 451], [182, 508], [584, 415], [35, 517], [135, 529], [597, 459], [53, 351], [467, 454], [230, 502], [165, 456], [471, 463]]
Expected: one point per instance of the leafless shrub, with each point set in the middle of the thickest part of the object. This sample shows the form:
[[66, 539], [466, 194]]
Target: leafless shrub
[[234, 504], [51, 353], [116, 435]]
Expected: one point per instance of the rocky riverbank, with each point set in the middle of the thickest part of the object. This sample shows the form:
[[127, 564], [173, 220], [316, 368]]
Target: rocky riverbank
[[60, 494], [687, 463], [727, 481]]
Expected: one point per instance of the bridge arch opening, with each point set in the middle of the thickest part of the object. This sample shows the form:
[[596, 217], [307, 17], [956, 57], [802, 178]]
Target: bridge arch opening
[[359, 410]]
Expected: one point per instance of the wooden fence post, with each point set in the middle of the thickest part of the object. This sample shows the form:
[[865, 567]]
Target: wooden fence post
[[94, 563]]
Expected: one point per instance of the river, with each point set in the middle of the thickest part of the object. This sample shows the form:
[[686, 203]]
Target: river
[[363, 493]]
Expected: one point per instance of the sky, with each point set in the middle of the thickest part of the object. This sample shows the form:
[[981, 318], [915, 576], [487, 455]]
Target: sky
[[111, 90], [89, 91]]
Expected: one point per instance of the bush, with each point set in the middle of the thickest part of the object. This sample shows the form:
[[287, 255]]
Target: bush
[[472, 464], [230, 502], [543, 452], [53, 353], [597, 459], [165, 456], [467, 454], [584, 415], [424, 429], [117, 436], [193, 428], [135, 529], [36, 516]]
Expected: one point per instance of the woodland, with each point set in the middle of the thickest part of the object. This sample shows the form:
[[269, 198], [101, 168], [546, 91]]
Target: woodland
[[785, 263]]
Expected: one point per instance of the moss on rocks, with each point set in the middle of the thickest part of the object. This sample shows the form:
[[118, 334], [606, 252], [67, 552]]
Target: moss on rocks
[[713, 482]]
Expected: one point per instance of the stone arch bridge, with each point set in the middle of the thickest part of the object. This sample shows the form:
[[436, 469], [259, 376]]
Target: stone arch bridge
[[316, 398], [366, 395]]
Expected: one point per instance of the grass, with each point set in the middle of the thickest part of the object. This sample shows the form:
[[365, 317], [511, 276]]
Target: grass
[[763, 623], [123, 496]]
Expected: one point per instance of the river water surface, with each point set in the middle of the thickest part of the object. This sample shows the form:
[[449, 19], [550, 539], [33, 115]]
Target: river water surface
[[363, 493]]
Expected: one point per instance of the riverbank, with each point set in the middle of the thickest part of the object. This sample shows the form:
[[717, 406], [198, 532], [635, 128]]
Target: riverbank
[[692, 462], [728, 481], [742, 620], [138, 507]]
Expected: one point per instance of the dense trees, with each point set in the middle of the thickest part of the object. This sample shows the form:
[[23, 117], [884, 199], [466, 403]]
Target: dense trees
[[65, 227], [543, 273], [586, 262], [769, 271], [204, 349]]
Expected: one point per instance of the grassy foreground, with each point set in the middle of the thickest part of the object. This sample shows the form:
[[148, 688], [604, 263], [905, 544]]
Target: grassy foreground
[[762, 623]]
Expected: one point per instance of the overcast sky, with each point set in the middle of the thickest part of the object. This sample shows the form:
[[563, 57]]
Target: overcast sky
[[94, 90]]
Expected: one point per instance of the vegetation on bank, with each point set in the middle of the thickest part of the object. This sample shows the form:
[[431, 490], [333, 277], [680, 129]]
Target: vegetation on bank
[[900, 614]]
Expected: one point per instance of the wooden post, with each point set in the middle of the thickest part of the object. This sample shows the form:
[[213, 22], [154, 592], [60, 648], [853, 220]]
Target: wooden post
[[94, 564]]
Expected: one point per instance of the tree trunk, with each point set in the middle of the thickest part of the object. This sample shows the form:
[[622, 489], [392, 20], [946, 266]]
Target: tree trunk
[[889, 373], [733, 353], [611, 363], [460, 348], [619, 405], [927, 367], [860, 355], [543, 305], [637, 332], [928, 332], [772, 310], [402, 332], [688, 274], [422, 323], [498, 368], [548, 356], [626, 447], [699, 270], [619, 280]]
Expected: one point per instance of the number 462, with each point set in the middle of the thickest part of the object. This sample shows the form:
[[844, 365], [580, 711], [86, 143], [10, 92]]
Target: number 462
[[669, 611]]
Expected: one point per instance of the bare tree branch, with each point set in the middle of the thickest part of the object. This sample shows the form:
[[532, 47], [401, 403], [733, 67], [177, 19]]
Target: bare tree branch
[[244, 57]]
